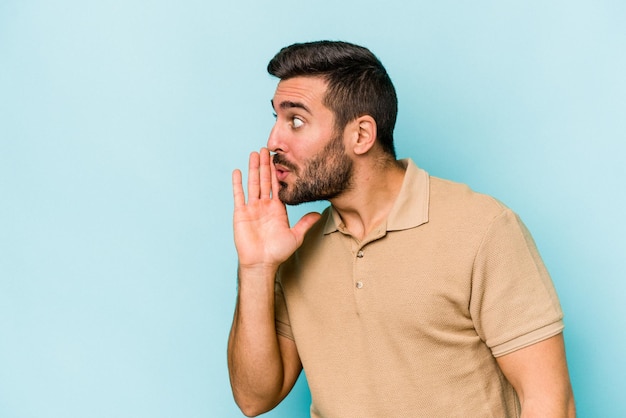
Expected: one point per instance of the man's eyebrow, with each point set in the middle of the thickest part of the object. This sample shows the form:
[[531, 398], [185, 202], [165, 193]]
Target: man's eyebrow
[[290, 105]]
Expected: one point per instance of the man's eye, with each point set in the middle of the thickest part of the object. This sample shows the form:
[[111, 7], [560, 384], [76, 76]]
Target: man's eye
[[297, 122]]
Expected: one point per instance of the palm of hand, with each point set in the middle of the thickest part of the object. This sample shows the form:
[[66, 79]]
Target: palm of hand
[[262, 232]]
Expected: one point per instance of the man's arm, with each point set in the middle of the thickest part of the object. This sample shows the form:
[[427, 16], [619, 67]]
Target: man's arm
[[263, 366], [540, 377]]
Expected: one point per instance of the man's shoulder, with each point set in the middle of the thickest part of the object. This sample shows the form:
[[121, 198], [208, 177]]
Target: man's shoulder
[[459, 198]]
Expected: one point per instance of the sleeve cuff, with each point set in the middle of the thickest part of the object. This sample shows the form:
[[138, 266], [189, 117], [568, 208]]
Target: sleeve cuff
[[528, 339]]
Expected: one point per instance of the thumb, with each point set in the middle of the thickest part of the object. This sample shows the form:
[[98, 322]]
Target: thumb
[[303, 225]]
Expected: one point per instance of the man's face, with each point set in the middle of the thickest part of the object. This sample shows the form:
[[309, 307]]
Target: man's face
[[310, 158]]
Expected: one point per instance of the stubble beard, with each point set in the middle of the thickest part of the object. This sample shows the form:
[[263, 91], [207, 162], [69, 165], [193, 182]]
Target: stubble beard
[[323, 177]]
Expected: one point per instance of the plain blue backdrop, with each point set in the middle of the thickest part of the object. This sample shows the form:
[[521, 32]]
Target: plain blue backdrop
[[120, 124]]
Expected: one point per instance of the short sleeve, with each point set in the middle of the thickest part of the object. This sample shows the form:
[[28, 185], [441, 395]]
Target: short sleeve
[[283, 326], [513, 302]]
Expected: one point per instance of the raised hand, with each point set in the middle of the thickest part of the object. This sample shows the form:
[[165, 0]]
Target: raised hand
[[263, 236]]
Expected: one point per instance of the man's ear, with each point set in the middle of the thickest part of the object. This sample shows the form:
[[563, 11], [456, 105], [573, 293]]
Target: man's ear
[[363, 134]]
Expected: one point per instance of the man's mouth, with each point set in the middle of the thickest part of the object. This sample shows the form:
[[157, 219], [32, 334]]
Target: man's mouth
[[281, 172], [283, 167]]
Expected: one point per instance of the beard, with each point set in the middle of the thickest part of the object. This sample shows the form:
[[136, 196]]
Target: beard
[[324, 176]]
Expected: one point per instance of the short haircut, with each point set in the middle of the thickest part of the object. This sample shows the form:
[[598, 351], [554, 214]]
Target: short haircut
[[358, 84]]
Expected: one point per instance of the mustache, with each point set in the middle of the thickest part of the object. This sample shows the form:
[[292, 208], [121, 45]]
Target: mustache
[[279, 159]]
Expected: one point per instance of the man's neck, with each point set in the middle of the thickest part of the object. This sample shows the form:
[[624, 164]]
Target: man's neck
[[368, 203]]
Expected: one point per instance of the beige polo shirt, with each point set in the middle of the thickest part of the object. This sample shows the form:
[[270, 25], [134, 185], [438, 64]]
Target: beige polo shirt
[[407, 322]]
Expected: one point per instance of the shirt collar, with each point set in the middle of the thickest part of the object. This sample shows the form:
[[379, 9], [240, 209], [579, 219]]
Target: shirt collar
[[410, 209]]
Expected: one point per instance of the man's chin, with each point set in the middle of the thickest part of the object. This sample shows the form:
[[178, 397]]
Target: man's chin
[[288, 198], [284, 195]]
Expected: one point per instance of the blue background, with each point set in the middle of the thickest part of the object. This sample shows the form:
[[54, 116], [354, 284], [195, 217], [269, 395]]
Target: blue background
[[120, 124]]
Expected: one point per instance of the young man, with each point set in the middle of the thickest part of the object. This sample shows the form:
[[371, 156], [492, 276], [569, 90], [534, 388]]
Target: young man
[[409, 296]]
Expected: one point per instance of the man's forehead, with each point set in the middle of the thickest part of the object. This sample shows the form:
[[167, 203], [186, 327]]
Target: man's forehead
[[303, 92]]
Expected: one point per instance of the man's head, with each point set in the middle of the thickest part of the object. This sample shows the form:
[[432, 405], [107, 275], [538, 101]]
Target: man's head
[[357, 83]]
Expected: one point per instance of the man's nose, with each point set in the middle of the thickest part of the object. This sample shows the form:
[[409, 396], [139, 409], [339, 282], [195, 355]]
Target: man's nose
[[276, 141]]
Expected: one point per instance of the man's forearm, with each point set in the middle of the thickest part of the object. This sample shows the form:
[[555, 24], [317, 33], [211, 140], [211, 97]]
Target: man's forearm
[[254, 357]]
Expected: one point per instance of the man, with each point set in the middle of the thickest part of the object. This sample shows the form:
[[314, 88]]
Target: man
[[410, 296]]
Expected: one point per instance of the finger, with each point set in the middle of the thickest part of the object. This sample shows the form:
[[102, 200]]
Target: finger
[[265, 174], [238, 195], [253, 176], [274, 180]]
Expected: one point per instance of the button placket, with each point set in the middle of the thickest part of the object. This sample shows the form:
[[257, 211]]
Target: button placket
[[359, 255], [359, 278]]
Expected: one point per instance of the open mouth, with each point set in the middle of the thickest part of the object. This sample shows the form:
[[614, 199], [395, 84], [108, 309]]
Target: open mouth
[[283, 167], [282, 172]]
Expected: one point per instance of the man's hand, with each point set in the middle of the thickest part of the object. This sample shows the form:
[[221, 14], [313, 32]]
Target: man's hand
[[263, 236]]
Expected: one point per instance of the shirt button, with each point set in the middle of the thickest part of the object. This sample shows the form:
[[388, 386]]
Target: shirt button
[[359, 254], [359, 285]]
